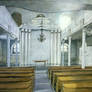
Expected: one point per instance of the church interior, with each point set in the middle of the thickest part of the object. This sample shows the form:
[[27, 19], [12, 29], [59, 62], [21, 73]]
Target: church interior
[[45, 46]]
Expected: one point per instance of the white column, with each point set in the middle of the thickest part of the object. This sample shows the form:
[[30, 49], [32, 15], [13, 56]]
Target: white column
[[22, 48], [59, 48], [63, 53], [16, 53], [51, 48], [69, 52], [20, 39], [29, 47], [8, 50], [26, 47], [83, 47], [55, 61], [24, 42]]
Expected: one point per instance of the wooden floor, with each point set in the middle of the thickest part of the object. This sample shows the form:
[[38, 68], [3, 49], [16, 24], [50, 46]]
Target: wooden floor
[[42, 84]]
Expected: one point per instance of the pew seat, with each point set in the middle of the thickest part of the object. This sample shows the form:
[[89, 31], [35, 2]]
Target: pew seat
[[77, 73], [17, 79], [66, 79], [56, 68], [73, 80], [76, 90], [67, 70]]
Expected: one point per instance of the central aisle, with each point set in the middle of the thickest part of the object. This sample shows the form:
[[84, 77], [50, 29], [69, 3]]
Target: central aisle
[[42, 83]]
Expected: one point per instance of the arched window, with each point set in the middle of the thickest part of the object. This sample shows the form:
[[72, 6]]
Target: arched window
[[65, 47], [14, 47], [17, 17]]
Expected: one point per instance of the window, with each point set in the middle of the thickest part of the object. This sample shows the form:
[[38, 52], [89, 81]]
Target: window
[[14, 47], [65, 47]]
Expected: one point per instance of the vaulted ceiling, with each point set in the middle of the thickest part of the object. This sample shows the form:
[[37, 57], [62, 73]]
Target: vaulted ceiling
[[49, 5], [53, 9]]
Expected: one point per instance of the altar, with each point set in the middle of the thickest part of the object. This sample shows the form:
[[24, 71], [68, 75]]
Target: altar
[[39, 62]]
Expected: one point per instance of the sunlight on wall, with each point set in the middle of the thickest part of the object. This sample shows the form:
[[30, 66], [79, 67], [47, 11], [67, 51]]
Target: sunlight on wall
[[64, 21]]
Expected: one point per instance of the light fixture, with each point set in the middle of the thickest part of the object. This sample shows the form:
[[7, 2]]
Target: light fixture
[[41, 18]]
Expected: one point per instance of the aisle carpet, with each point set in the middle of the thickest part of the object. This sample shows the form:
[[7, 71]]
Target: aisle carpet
[[42, 83]]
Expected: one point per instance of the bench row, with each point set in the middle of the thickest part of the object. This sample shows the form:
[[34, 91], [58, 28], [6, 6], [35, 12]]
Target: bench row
[[71, 79], [17, 79]]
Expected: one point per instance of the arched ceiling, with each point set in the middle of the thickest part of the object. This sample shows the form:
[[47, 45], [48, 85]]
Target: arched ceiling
[[49, 5]]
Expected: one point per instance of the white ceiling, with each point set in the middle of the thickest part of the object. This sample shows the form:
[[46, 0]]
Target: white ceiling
[[49, 5]]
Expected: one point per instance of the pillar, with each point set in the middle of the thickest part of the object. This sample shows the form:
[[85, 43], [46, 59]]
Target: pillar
[[24, 42], [20, 39], [69, 52], [29, 47], [22, 47], [51, 61], [59, 48], [63, 53], [26, 47], [16, 53], [57, 59], [30, 35], [53, 46], [83, 47], [55, 42], [8, 50]]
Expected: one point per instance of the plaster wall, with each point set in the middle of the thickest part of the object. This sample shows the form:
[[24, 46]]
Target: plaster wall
[[88, 56], [3, 52], [6, 21], [40, 50], [88, 52]]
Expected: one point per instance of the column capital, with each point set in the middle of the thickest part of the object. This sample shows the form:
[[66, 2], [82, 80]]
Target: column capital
[[29, 30], [69, 37], [84, 29], [58, 30], [52, 31], [63, 41], [22, 29]]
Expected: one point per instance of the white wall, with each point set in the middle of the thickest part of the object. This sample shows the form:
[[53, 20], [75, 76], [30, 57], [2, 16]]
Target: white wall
[[88, 56], [28, 16], [40, 51], [6, 20]]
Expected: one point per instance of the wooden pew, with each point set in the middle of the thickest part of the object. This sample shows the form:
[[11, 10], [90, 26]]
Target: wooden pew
[[67, 69], [77, 86], [70, 71], [77, 90], [65, 73], [17, 69], [17, 79], [55, 68], [71, 79], [62, 69]]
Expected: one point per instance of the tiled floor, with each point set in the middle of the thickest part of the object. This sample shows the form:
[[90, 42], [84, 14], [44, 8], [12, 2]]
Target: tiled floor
[[42, 83]]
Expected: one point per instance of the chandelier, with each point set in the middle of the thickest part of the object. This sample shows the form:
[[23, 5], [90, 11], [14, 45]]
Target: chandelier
[[41, 20]]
